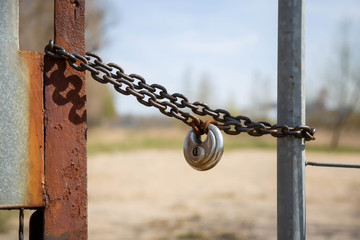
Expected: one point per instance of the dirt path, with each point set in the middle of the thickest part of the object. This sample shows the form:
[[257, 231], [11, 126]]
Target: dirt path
[[156, 195]]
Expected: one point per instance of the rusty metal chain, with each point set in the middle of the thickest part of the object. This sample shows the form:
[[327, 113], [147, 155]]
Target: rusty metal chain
[[155, 95]]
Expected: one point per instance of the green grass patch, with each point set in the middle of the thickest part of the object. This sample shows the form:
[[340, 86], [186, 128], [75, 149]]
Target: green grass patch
[[340, 149], [166, 143], [253, 143], [231, 143], [134, 144]]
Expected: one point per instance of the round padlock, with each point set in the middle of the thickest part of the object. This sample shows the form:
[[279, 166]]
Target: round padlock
[[204, 155]]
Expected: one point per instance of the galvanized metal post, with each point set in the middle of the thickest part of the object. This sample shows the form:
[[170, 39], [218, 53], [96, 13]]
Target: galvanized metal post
[[21, 116], [65, 214], [291, 111]]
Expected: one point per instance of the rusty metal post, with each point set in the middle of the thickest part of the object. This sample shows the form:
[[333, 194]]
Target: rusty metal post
[[291, 112], [21, 116], [65, 212]]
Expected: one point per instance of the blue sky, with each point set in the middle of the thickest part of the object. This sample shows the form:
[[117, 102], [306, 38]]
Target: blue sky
[[231, 43]]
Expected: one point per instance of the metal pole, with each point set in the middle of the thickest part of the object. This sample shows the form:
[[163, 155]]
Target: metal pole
[[65, 213], [291, 111]]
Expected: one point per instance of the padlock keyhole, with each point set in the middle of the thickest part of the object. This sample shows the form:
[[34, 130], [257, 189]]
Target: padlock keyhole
[[196, 151]]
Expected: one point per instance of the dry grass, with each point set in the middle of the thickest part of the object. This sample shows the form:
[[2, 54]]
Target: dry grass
[[154, 194], [119, 139]]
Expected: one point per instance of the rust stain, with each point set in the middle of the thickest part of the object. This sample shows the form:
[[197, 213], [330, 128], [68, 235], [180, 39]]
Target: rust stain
[[34, 62], [65, 127]]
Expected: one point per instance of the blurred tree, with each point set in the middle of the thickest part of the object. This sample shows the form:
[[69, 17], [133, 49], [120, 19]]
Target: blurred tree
[[186, 82], [317, 110], [231, 104], [262, 97], [204, 89], [36, 28], [344, 82], [320, 101]]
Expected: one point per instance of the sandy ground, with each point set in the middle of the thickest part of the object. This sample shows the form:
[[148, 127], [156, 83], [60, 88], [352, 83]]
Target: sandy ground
[[154, 194]]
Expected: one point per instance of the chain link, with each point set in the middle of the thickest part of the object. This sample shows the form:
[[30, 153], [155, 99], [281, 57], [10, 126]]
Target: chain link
[[172, 105]]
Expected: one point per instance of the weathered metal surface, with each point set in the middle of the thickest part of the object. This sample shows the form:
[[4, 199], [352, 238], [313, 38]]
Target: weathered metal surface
[[65, 127], [204, 155], [291, 112], [35, 181], [21, 115]]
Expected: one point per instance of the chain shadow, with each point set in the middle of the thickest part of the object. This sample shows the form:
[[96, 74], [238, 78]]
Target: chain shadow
[[66, 89]]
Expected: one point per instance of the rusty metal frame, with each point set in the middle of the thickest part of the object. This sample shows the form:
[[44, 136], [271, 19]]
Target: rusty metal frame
[[65, 213]]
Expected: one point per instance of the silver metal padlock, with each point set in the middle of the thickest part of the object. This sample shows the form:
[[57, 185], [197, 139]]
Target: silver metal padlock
[[204, 155]]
